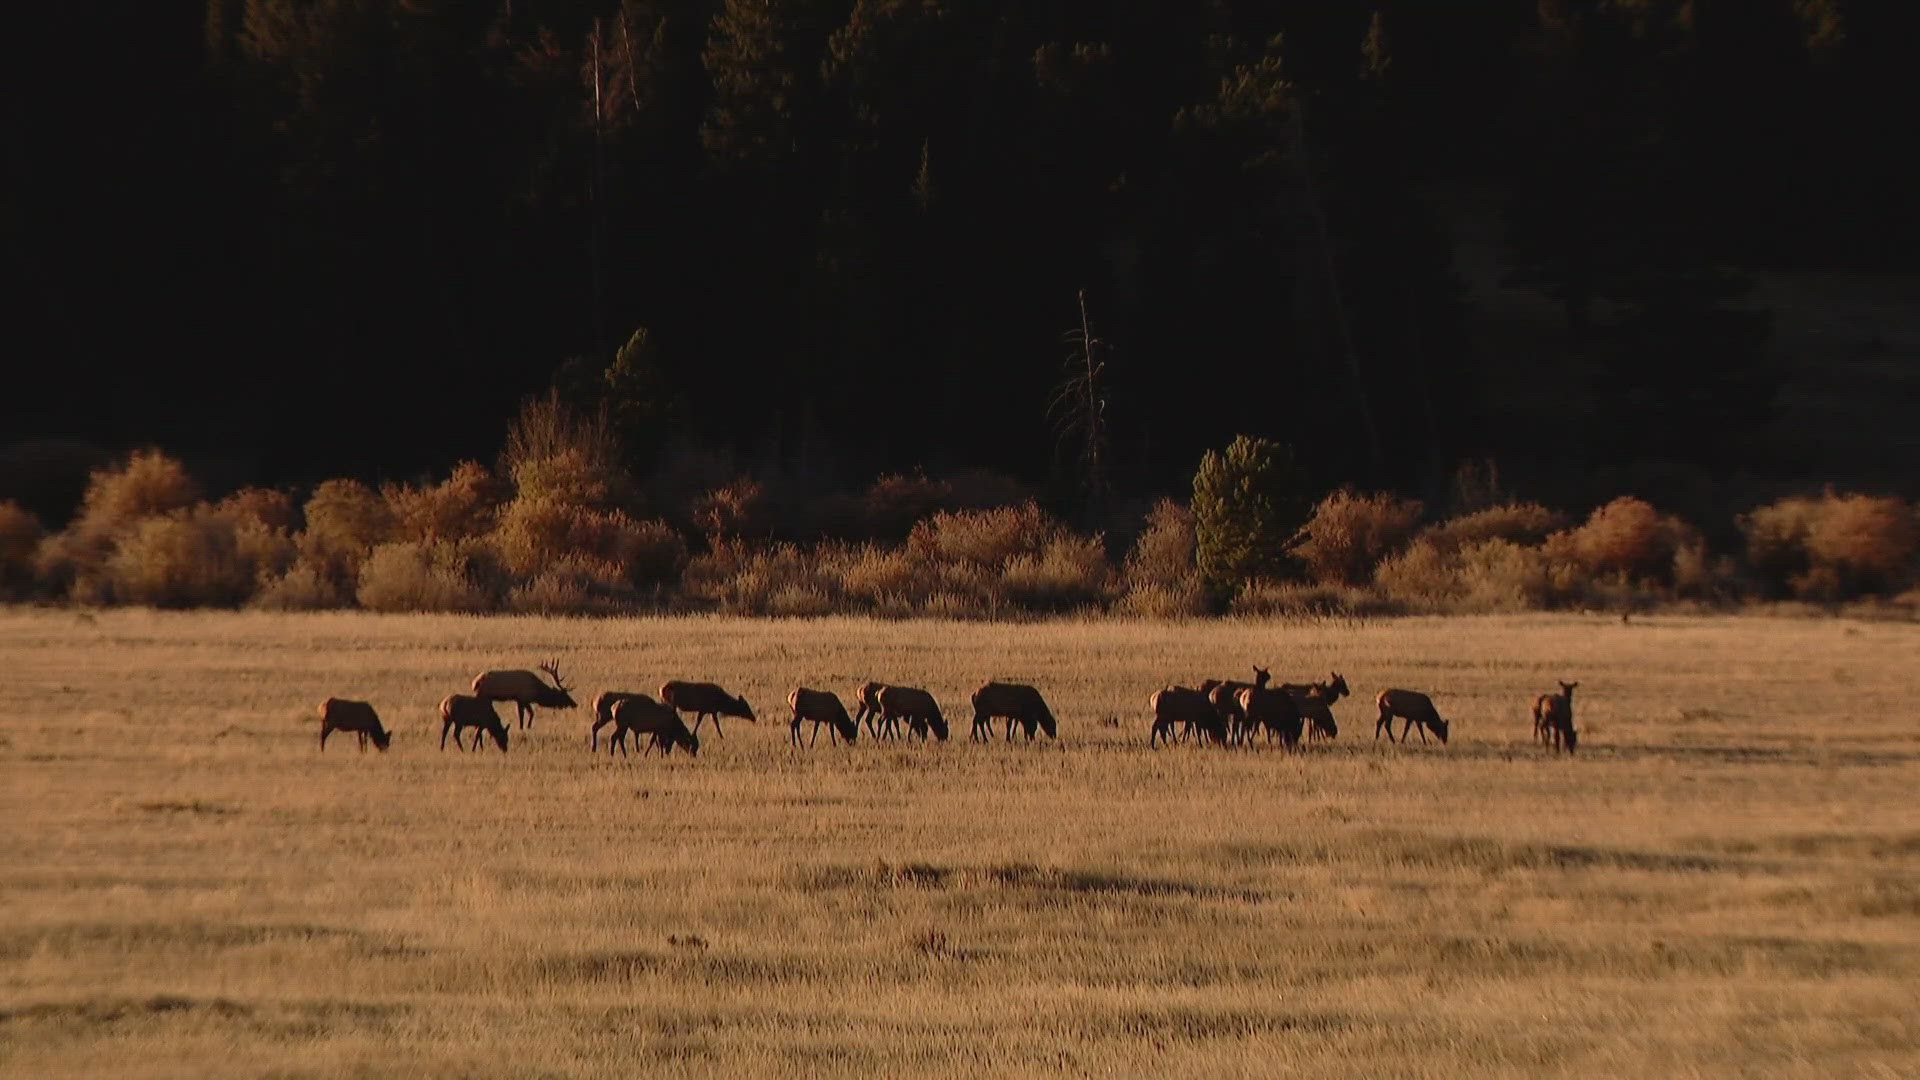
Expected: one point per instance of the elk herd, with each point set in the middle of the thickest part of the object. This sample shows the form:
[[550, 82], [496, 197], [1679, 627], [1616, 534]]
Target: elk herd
[[1218, 712]]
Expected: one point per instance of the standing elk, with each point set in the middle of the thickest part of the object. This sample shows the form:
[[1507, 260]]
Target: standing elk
[[867, 707], [1415, 708], [460, 712], [915, 706], [1315, 700], [338, 714], [821, 707], [1187, 707], [704, 699], [659, 724], [1271, 710], [525, 690], [1553, 718], [1019, 704], [1226, 700], [603, 706]]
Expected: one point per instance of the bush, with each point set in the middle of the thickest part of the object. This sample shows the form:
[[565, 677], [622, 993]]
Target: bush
[[1526, 524], [892, 505], [302, 588], [148, 485], [1246, 508], [464, 506], [20, 536], [189, 558], [345, 520], [574, 586], [1161, 575], [782, 579], [886, 578], [1832, 547], [536, 533], [563, 455], [1628, 538], [1483, 576], [263, 506], [983, 537], [430, 575], [1349, 533], [732, 510], [1070, 574]]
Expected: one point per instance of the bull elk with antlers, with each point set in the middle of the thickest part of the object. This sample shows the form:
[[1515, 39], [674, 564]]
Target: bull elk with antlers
[[525, 690]]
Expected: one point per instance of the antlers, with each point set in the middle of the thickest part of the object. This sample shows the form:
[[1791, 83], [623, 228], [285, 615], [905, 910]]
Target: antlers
[[552, 667]]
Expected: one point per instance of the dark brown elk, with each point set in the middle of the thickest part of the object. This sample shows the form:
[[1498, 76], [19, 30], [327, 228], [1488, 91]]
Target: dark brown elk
[[1553, 719], [525, 690], [867, 707], [916, 707], [460, 712], [603, 706], [1413, 707], [1226, 700], [659, 724], [1187, 707], [337, 714], [821, 707], [704, 699], [1019, 704], [1273, 711], [1315, 701]]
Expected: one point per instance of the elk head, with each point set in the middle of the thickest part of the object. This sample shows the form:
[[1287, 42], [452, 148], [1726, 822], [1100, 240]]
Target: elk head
[[562, 696], [1260, 675], [1566, 689], [1337, 687]]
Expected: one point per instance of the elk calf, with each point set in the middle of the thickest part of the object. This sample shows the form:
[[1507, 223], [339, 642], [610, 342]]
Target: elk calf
[[867, 707], [1315, 701], [821, 707], [1273, 711], [916, 707], [460, 712], [1414, 707], [660, 724], [525, 690], [1019, 704], [1226, 700], [1187, 707], [603, 707], [1553, 719], [337, 714], [704, 699]]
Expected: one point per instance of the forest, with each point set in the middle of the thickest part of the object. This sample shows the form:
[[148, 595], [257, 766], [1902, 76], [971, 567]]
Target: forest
[[794, 271]]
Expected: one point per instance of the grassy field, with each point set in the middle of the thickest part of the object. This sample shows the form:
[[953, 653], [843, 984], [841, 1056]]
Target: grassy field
[[1725, 882]]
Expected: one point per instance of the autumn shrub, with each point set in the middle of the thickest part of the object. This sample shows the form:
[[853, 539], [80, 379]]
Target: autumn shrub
[[1481, 576], [149, 484], [535, 533], [561, 454], [1526, 524], [345, 519], [1350, 532], [574, 585], [1832, 547], [188, 558], [886, 579], [304, 587], [1626, 538], [781, 579], [892, 505], [430, 575], [735, 509], [20, 536], [1069, 574], [462, 507], [983, 537]]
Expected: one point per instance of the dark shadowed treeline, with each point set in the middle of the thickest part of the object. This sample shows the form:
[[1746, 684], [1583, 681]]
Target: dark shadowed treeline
[[842, 237]]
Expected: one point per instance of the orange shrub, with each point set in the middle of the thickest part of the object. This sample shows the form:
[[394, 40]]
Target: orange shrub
[[461, 507], [20, 536], [1350, 532], [1527, 524], [1834, 546], [421, 576], [1626, 537]]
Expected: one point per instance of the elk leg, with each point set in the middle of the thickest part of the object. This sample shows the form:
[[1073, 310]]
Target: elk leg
[[323, 734], [716, 726]]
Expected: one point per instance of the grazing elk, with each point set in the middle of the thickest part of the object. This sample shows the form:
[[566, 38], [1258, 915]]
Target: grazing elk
[[338, 714], [916, 707], [1226, 700], [1187, 707], [867, 707], [821, 707], [660, 724], [460, 712], [1553, 719], [603, 706], [704, 699], [1315, 700], [1415, 708], [525, 690], [1273, 711], [1021, 705]]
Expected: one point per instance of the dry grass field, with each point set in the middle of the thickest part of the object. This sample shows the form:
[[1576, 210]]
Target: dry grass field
[[1725, 882]]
